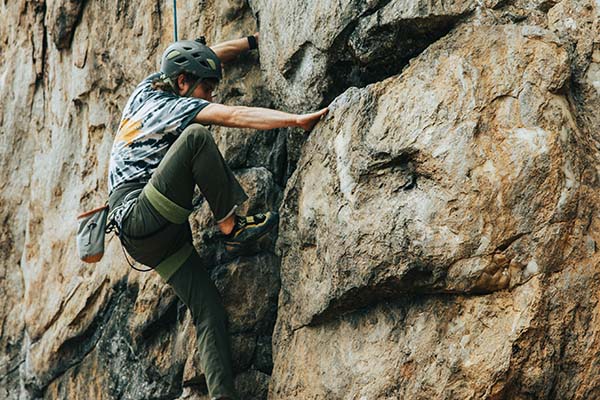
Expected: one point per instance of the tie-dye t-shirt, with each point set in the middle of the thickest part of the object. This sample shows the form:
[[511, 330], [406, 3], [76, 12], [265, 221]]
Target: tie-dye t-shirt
[[151, 122]]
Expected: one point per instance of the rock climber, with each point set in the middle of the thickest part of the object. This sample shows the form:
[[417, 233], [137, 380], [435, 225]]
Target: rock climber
[[162, 150]]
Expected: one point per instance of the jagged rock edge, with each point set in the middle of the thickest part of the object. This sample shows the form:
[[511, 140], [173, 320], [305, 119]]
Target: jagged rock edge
[[378, 293]]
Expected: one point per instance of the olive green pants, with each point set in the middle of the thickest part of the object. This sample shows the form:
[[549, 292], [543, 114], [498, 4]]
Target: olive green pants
[[156, 233]]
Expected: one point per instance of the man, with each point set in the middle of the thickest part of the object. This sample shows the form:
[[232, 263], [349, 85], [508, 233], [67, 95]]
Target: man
[[160, 153]]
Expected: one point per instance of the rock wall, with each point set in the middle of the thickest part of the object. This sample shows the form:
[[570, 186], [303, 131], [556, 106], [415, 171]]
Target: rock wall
[[439, 227]]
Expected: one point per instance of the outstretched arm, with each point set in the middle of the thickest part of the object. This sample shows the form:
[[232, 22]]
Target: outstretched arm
[[230, 49], [256, 117]]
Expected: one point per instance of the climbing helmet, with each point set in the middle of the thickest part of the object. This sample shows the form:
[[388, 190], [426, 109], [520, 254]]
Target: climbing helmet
[[191, 56]]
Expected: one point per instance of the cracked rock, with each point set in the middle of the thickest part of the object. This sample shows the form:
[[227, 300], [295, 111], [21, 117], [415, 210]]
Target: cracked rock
[[459, 177]]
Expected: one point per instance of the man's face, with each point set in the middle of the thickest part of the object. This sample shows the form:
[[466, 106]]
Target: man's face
[[204, 90]]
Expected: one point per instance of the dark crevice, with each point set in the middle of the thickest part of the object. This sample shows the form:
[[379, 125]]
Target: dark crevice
[[278, 160], [159, 13], [362, 58], [40, 9], [44, 49], [262, 359], [12, 370], [366, 51], [384, 160], [68, 16], [418, 280], [339, 46], [342, 71], [508, 242], [74, 350], [165, 321], [360, 300], [402, 166]]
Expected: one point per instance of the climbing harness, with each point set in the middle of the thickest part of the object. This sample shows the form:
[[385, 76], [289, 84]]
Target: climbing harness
[[116, 218], [94, 225]]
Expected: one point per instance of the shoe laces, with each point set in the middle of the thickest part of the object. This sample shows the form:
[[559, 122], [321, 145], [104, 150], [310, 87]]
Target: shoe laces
[[243, 221], [240, 222]]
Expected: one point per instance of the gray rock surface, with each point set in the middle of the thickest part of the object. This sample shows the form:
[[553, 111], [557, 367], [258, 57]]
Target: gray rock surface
[[314, 50], [454, 186], [439, 227], [441, 202], [71, 330]]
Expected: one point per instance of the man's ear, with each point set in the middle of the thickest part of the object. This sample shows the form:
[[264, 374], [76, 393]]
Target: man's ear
[[180, 82]]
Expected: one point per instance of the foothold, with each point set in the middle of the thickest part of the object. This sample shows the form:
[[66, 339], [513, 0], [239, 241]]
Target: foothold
[[501, 260], [531, 269]]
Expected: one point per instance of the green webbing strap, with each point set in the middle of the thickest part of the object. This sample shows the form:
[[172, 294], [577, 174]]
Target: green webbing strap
[[171, 264], [173, 212]]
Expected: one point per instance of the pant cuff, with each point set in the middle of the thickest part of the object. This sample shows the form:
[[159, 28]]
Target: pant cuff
[[229, 214]]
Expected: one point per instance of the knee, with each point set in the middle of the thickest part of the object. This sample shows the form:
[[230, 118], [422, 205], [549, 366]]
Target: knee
[[197, 135]]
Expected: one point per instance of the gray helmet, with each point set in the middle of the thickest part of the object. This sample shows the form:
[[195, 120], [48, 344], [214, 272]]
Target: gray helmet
[[191, 56]]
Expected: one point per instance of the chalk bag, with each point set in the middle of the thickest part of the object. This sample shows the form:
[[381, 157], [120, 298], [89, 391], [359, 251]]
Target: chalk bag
[[91, 231]]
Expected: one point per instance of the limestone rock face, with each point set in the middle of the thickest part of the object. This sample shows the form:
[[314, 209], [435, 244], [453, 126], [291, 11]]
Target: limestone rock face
[[460, 177], [439, 227], [468, 197], [312, 51], [103, 331]]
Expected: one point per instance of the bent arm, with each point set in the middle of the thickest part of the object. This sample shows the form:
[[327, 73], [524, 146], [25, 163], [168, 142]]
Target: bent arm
[[230, 49], [255, 117]]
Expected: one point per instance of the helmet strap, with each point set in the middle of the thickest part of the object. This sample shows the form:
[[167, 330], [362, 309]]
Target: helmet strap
[[192, 88]]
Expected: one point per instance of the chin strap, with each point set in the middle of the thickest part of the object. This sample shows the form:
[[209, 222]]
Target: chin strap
[[168, 79], [192, 88]]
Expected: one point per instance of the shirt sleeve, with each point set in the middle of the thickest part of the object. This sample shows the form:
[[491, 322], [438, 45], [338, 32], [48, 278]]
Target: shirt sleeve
[[188, 108], [169, 113]]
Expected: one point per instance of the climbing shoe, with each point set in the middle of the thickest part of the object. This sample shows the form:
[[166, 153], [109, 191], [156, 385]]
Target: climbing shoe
[[248, 230]]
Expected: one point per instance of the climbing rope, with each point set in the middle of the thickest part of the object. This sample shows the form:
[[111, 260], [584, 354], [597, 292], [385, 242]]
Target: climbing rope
[[175, 18]]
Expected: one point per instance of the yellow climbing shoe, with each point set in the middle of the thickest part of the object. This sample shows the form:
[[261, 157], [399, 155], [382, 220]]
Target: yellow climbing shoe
[[248, 230]]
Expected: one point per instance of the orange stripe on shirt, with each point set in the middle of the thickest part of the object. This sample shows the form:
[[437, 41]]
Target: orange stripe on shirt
[[128, 130]]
